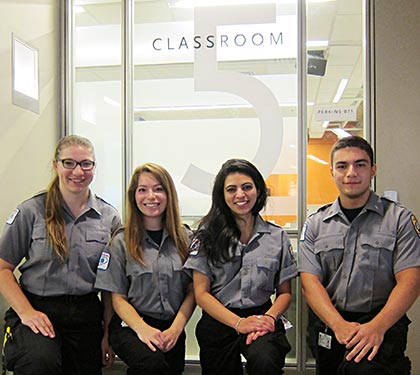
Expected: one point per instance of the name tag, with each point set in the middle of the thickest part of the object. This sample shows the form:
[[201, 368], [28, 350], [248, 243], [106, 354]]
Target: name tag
[[324, 340]]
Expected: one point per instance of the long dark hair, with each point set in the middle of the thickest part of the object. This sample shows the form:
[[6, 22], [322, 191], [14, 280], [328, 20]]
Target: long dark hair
[[218, 231]]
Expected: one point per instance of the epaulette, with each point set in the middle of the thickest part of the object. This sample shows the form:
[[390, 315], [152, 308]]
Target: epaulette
[[42, 192], [104, 201], [324, 207], [274, 224], [320, 209], [388, 199]]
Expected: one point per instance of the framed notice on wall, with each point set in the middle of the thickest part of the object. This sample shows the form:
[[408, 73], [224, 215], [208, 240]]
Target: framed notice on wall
[[25, 75]]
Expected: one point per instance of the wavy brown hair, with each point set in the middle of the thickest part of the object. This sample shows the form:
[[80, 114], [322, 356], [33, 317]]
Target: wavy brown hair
[[54, 215], [134, 228]]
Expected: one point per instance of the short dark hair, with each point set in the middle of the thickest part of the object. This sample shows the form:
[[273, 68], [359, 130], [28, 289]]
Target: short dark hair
[[353, 141]]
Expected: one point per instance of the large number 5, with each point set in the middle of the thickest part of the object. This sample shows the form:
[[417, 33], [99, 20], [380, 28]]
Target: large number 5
[[208, 78]]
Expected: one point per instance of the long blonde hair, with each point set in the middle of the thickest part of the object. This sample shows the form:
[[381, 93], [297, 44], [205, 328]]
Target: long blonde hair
[[134, 228], [54, 216]]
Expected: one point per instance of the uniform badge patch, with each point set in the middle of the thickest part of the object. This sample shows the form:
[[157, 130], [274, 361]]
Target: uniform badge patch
[[195, 246], [12, 216], [303, 233], [415, 224], [104, 261]]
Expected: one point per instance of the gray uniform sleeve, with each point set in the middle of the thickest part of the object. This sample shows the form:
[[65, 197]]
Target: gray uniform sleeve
[[111, 274], [17, 235], [408, 243], [288, 268], [307, 258], [197, 260]]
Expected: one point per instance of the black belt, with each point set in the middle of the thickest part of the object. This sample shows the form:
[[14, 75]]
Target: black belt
[[65, 298]]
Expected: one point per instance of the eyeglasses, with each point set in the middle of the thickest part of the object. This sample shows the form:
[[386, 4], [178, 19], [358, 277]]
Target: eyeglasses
[[86, 165]]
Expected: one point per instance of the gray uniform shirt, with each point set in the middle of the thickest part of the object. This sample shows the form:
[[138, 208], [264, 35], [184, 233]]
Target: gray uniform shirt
[[252, 276], [357, 261], [42, 272], [157, 288]]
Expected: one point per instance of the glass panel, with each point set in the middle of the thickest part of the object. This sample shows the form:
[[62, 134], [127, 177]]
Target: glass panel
[[215, 83], [97, 90], [335, 88]]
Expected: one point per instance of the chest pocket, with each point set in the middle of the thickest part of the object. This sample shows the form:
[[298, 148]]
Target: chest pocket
[[39, 232], [136, 270], [141, 281], [378, 250], [266, 272], [39, 245], [95, 240], [97, 235], [330, 250]]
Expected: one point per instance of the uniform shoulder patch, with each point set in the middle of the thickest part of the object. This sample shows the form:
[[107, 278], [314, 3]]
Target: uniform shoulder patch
[[195, 246], [303, 233], [416, 224], [104, 261], [12, 216]]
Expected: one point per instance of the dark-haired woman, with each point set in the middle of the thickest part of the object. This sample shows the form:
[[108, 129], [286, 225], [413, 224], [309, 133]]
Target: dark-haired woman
[[239, 261], [55, 324], [152, 295]]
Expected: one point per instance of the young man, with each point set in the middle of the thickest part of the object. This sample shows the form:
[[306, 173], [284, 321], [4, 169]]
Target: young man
[[359, 263]]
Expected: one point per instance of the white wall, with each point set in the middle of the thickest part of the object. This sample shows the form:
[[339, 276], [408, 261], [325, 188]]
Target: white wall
[[397, 56], [27, 139]]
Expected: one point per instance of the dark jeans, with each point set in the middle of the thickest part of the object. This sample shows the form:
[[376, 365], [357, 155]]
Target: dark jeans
[[390, 359], [221, 346], [138, 356], [76, 348]]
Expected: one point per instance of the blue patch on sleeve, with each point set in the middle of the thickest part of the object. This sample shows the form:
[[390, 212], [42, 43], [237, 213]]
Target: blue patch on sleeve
[[104, 261]]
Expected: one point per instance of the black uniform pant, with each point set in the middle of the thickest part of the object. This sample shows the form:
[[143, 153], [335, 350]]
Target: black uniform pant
[[138, 356], [76, 348], [390, 359], [221, 347]]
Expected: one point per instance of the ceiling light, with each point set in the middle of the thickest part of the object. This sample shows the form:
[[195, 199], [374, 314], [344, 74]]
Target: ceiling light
[[340, 90], [317, 43], [78, 9], [340, 133], [112, 102], [208, 3], [200, 107], [316, 159]]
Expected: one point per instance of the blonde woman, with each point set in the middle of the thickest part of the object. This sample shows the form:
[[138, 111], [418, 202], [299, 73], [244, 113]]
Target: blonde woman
[[54, 325], [142, 267]]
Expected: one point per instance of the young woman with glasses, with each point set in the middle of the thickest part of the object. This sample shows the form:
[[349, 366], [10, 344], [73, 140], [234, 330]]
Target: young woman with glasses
[[55, 323]]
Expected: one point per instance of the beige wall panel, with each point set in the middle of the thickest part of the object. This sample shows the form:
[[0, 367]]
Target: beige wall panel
[[397, 30], [27, 139]]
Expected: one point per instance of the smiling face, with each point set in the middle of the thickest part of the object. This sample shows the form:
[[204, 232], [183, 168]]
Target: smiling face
[[74, 181], [240, 194], [151, 200], [352, 172]]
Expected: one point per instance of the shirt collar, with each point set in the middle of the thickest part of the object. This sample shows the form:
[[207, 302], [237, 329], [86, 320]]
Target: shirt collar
[[93, 204], [374, 204], [260, 225]]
